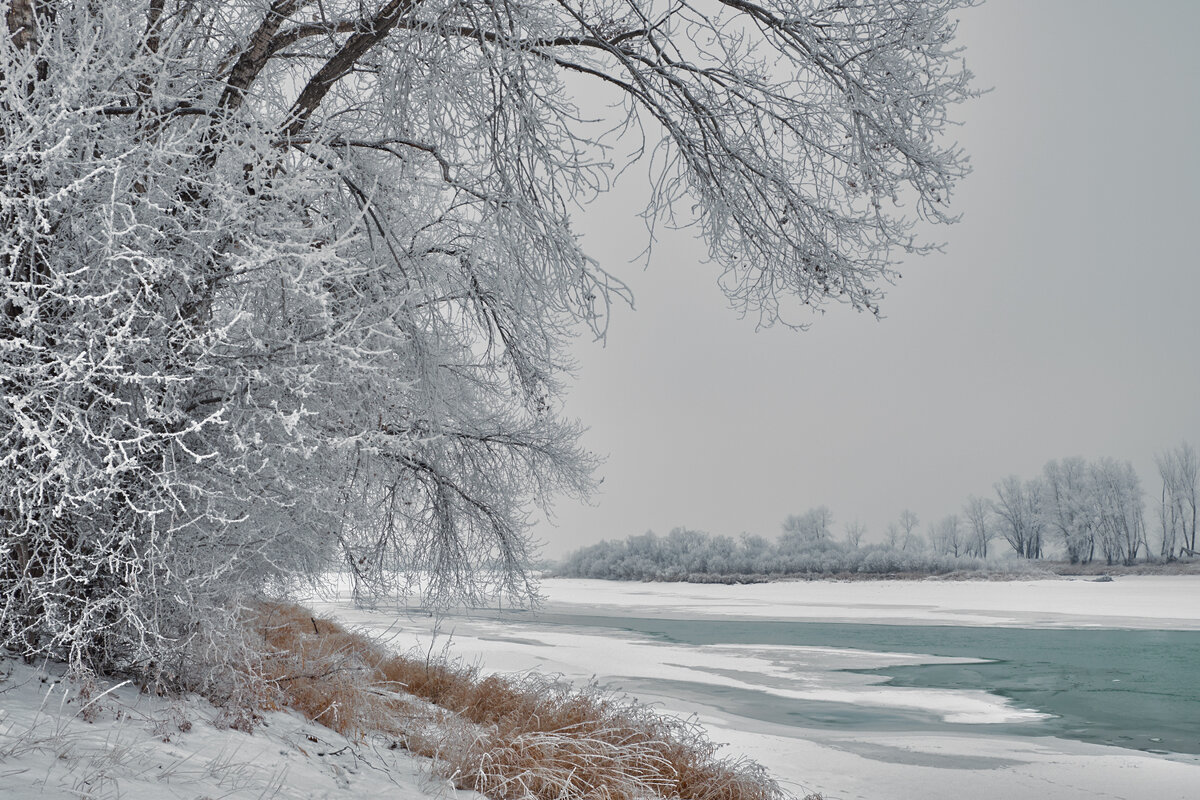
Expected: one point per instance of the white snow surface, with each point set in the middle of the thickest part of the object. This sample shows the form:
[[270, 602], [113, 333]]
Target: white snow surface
[[1158, 602], [133, 746]]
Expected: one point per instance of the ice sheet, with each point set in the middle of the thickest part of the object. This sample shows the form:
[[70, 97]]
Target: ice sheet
[[850, 763]]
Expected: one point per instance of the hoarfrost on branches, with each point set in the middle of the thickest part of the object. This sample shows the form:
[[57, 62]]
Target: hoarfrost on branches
[[1180, 472], [287, 284]]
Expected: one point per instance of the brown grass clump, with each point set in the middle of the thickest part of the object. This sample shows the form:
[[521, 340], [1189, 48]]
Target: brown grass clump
[[514, 737], [323, 671]]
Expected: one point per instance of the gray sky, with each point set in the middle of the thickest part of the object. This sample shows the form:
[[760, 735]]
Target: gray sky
[[1061, 321]]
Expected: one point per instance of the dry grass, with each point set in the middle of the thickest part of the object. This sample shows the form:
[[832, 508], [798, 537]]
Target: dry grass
[[510, 737]]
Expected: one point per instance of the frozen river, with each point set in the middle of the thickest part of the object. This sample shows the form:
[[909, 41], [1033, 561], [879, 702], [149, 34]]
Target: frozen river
[[1130, 688], [886, 689]]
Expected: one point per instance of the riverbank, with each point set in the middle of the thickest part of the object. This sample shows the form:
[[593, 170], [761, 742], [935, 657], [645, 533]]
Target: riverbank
[[60, 740], [352, 702]]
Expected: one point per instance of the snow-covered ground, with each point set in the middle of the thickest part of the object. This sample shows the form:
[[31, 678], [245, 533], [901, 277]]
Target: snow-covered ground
[[858, 763], [1160, 602], [133, 746]]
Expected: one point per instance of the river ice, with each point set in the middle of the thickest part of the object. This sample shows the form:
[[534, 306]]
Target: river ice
[[857, 762]]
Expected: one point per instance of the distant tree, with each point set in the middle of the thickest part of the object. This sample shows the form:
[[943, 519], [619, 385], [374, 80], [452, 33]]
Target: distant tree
[[1018, 506], [1069, 506], [757, 552], [721, 557], [909, 538], [1120, 510], [1180, 473], [688, 550], [814, 525], [948, 537], [855, 531], [978, 512], [892, 536]]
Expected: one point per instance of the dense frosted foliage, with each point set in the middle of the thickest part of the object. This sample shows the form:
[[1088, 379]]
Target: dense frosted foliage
[[286, 284], [699, 557]]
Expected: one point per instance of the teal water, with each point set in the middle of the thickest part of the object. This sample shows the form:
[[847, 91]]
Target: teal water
[[1138, 689]]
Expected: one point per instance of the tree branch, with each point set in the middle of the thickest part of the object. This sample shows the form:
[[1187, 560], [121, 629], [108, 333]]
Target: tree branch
[[342, 62], [257, 53]]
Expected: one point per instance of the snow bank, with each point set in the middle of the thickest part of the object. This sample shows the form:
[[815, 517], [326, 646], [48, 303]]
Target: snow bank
[[134, 746]]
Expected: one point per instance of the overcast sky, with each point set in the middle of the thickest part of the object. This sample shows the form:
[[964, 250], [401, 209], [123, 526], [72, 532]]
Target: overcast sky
[[1061, 321]]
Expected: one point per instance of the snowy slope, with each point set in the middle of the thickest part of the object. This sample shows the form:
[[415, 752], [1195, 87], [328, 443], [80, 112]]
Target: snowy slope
[[129, 745]]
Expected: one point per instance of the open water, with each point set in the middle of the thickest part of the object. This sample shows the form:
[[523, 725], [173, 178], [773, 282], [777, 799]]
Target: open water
[[1138, 689]]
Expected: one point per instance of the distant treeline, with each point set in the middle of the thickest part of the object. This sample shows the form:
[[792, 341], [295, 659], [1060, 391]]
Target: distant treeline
[[695, 556], [1076, 510]]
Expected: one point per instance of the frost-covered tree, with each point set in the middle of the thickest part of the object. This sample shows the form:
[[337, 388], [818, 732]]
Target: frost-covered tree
[[854, 533], [910, 539], [1018, 506], [757, 552], [286, 284], [1069, 506], [978, 512], [1120, 510], [814, 525], [891, 536], [949, 537], [1180, 472]]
